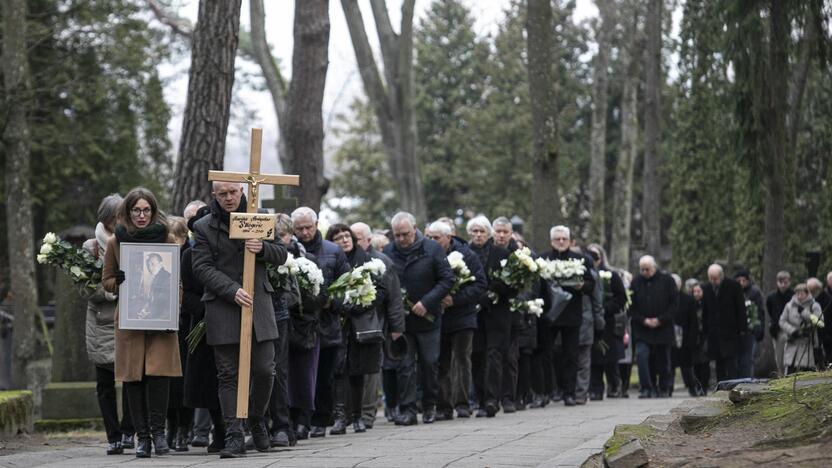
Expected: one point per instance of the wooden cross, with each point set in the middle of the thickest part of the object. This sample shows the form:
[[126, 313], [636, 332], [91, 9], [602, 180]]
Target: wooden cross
[[254, 179]]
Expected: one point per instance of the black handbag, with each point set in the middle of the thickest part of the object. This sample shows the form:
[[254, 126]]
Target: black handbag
[[367, 326], [560, 299], [619, 324]]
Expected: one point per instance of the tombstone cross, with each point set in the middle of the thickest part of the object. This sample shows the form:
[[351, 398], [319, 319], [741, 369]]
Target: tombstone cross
[[254, 179]]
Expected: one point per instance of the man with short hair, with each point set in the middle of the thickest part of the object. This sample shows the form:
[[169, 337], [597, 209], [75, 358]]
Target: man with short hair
[[502, 231], [725, 321], [459, 321], [775, 303], [745, 358], [568, 324], [218, 265], [426, 276], [333, 263], [654, 303]]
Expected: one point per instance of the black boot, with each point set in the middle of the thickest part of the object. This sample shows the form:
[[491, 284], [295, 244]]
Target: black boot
[[157, 401], [339, 427], [219, 439], [235, 446], [138, 412], [259, 434], [181, 443]]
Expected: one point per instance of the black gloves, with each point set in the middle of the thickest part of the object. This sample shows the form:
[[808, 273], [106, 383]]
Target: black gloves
[[119, 277]]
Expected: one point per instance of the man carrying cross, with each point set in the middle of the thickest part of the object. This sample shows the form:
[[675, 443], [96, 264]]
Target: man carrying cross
[[218, 264]]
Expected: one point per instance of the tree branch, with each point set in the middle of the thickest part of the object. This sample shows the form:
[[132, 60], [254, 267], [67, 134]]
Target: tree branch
[[180, 26], [388, 40]]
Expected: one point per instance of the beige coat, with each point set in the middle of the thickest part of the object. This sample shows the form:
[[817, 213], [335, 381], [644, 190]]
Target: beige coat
[[139, 353], [798, 353]]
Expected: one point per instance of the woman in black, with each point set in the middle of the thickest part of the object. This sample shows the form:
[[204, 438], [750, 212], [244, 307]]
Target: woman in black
[[362, 357]]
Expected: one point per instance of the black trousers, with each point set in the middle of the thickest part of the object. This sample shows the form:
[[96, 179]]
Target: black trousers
[[511, 367], [325, 386], [398, 382], [148, 404], [227, 358], [105, 390], [279, 401], [596, 379], [542, 378], [524, 374], [726, 368], [566, 367], [455, 370]]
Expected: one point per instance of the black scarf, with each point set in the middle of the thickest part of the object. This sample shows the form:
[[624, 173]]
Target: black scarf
[[225, 216], [406, 252], [314, 245], [156, 233], [482, 251], [357, 256]]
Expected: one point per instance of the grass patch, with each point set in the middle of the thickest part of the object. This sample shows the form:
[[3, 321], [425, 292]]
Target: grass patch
[[789, 416], [624, 433], [69, 425]]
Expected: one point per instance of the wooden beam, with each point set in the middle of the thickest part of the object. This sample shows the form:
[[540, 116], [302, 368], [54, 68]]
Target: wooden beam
[[242, 177]]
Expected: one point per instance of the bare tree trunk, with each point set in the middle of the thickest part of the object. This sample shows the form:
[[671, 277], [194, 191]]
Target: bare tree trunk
[[623, 186], [652, 157], [392, 101], [545, 151], [16, 142], [775, 130], [305, 127], [207, 110], [598, 138]]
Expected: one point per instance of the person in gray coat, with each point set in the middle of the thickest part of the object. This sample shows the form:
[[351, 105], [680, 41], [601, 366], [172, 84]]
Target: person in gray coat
[[218, 265]]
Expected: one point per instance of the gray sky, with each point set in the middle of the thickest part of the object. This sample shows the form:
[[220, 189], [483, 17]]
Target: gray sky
[[343, 82]]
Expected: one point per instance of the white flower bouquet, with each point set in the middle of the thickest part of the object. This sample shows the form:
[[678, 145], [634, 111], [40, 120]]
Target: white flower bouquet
[[534, 306], [462, 274], [81, 267], [357, 287], [306, 272], [519, 270], [566, 273]]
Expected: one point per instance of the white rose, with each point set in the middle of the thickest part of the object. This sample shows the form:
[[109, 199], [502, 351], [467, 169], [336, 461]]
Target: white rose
[[45, 249], [41, 258], [50, 238]]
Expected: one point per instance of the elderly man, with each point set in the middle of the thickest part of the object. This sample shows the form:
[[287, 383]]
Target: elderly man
[[459, 321], [823, 298], [427, 278], [725, 321], [568, 324], [745, 358], [218, 265], [333, 263], [775, 303], [655, 299]]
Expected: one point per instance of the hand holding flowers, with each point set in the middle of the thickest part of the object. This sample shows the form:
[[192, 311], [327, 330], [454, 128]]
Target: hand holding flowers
[[519, 270], [357, 287], [462, 274], [79, 264]]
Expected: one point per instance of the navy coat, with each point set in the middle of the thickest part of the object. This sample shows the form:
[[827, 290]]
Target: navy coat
[[463, 314]]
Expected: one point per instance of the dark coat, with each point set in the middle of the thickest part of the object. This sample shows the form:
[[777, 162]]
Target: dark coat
[[615, 299], [390, 307], [753, 294], [494, 319], [725, 320], [694, 341], [654, 297], [218, 265], [572, 315], [463, 314], [333, 263], [425, 274], [775, 303], [304, 312]]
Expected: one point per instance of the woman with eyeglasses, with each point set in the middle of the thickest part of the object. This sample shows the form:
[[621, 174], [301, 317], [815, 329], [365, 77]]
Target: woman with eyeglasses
[[362, 358], [144, 360]]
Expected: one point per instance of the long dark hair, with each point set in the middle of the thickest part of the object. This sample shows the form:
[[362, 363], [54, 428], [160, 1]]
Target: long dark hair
[[130, 200]]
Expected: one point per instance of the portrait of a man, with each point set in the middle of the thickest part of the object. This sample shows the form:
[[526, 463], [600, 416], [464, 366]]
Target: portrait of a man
[[150, 291]]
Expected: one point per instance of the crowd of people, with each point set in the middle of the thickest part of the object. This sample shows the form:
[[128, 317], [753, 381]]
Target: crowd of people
[[425, 345]]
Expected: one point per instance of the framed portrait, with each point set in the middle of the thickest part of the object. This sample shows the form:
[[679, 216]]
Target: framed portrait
[[148, 299]]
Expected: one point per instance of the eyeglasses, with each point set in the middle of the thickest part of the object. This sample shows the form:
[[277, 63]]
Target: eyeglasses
[[341, 237], [141, 211]]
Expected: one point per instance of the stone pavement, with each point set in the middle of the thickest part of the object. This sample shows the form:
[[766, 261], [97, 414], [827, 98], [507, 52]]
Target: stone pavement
[[550, 437]]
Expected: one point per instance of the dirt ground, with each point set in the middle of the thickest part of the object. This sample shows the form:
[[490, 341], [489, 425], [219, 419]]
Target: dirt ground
[[50, 441]]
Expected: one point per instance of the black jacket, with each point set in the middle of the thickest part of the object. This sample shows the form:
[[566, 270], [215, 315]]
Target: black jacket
[[724, 317], [654, 297], [775, 303], [462, 315], [572, 315], [425, 274], [333, 263]]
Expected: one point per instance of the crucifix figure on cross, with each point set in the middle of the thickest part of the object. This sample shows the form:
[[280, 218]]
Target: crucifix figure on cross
[[246, 227]]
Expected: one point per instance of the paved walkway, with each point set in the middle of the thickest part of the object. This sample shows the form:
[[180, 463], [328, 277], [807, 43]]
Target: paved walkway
[[550, 437]]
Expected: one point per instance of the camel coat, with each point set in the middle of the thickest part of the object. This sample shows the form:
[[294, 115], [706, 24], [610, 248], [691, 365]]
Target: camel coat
[[139, 353]]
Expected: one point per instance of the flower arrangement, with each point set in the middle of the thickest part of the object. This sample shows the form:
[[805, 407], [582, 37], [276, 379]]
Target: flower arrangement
[[81, 267], [565, 273], [752, 315], [310, 278], [357, 287], [462, 274], [534, 306], [519, 270]]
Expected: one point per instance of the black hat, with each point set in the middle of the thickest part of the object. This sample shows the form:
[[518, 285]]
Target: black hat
[[742, 273], [202, 211], [397, 349]]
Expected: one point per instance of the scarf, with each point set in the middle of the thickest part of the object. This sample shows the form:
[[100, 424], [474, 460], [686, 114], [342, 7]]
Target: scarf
[[357, 256], [482, 251], [152, 234], [102, 235], [225, 216], [406, 252]]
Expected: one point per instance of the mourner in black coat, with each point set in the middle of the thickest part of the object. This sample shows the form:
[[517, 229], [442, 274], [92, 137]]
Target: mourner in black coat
[[725, 321], [615, 319]]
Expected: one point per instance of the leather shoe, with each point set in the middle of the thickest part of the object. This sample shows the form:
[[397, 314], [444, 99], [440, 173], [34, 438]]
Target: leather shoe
[[358, 426], [160, 443], [645, 394], [463, 412], [557, 396], [339, 427], [317, 431], [569, 400], [259, 435], [235, 446], [481, 413], [615, 393], [580, 401], [115, 448], [490, 409], [445, 415], [143, 447], [509, 407], [301, 432], [368, 422], [407, 419], [127, 441], [279, 439], [199, 441], [596, 397], [429, 416], [181, 441]]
